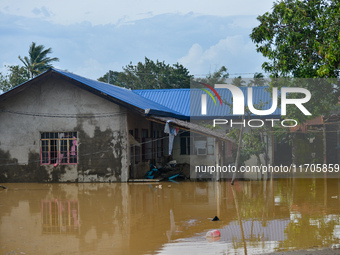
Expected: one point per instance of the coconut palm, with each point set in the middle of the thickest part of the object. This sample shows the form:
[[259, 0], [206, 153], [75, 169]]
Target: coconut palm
[[37, 60]]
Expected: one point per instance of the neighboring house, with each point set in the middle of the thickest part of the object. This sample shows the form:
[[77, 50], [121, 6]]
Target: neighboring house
[[188, 103], [309, 140], [61, 127]]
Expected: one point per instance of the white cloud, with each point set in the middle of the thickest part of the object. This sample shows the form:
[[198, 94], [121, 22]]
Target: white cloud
[[110, 12], [93, 66], [237, 53], [201, 43]]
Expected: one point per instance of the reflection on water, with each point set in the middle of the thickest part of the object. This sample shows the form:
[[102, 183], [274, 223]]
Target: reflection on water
[[169, 218], [59, 216]]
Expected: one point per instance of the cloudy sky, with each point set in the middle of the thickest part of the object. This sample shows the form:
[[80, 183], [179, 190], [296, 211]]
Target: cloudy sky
[[92, 37]]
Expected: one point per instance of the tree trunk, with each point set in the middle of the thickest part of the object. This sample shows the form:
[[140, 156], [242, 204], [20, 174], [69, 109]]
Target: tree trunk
[[238, 152]]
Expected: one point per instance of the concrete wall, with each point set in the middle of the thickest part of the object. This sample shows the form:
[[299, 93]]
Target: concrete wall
[[102, 141], [155, 135], [194, 159], [225, 158]]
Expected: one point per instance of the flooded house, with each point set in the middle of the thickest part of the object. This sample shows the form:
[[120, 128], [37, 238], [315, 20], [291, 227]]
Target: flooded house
[[317, 140], [61, 127]]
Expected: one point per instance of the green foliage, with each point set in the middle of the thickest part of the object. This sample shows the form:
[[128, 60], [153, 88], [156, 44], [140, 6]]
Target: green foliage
[[113, 77], [37, 60], [15, 76], [324, 96], [210, 126], [217, 77], [252, 142], [150, 75], [244, 156], [301, 40], [258, 80], [238, 81]]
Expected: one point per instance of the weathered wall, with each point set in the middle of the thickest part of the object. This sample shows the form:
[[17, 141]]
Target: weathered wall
[[156, 132], [211, 159], [198, 160], [102, 142]]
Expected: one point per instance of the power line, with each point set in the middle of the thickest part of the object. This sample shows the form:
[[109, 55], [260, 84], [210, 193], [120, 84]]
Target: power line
[[55, 115]]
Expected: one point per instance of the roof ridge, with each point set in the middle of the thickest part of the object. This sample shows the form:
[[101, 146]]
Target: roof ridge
[[66, 71]]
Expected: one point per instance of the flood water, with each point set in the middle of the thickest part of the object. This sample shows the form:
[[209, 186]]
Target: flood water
[[130, 218]]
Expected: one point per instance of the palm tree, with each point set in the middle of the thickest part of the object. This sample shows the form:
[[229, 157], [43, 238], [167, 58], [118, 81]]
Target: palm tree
[[37, 60]]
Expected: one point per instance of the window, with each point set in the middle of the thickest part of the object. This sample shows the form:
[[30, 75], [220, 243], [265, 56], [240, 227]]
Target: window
[[137, 154], [145, 133], [159, 147], [186, 142], [58, 148], [201, 146], [136, 134], [146, 145], [210, 145]]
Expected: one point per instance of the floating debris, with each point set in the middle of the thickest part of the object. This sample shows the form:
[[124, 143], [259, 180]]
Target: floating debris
[[215, 219], [336, 246], [213, 235]]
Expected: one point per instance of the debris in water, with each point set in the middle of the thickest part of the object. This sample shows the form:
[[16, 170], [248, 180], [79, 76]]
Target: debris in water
[[213, 235], [215, 219]]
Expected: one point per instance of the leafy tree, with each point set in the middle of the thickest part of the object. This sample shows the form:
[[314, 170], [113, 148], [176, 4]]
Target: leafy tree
[[300, 38], [37, 60], [15, 76], [150, 75], [114, 78], [258, 80], [252, 142], [237, 81], [218, 77]]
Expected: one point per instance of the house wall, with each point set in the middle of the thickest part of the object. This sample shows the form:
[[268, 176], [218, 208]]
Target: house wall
[[152, 148], [102, 143], [201, 158], [226, 155], [194, 158]]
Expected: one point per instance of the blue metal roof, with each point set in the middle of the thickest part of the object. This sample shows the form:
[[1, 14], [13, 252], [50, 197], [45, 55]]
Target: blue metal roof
[[174, 99], [124, 95], [176, 103], [188, 101]]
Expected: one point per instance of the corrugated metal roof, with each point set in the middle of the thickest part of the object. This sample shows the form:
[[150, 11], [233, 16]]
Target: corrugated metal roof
[[188, 101], [176, 103], [175, 99], [123, 94]]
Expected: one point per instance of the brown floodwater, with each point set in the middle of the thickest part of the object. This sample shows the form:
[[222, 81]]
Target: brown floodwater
[[130, 218]]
